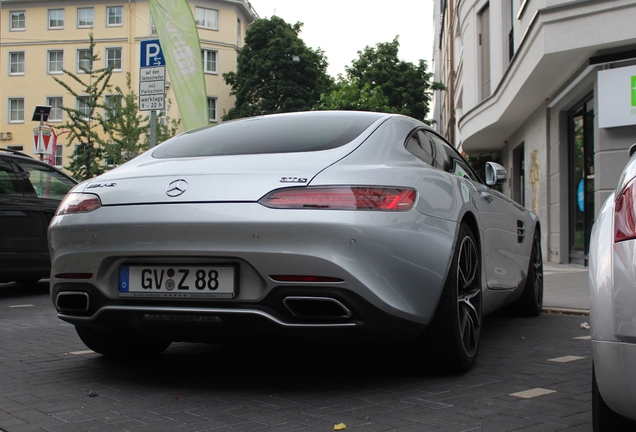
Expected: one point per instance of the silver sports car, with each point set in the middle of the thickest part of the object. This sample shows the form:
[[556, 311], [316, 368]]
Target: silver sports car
[[325, 224], [613, 306]]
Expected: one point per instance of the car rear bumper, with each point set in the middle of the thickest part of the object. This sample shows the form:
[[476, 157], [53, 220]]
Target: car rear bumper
[[615, 368], [287, 310]]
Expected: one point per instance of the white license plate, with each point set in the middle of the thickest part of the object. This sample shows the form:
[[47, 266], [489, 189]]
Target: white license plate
[[177, 281]]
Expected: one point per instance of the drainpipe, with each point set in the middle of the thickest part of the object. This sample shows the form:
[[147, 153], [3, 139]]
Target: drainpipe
[[451, 85]]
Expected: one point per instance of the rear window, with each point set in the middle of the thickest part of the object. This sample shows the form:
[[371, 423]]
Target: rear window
[[280, 133]]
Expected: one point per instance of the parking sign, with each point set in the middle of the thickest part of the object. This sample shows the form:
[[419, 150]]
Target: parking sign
[[151, 54]]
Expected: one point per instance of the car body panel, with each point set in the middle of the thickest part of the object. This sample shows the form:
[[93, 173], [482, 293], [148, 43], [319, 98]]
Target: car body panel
[[612, 276]]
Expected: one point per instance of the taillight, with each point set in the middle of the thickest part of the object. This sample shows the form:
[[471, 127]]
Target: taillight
[[78, 203], [341, 198], [625, 213]]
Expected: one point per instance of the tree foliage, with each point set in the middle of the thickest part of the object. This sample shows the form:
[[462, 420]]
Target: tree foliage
[[379, 81], [85, 126], [125, 126], [276, 72]]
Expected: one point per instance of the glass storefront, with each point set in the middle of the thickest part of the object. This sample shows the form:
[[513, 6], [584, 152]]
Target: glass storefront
[[581, 187]]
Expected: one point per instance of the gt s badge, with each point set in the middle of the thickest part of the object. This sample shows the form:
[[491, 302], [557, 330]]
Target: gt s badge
[[293, 180], [101, 185]]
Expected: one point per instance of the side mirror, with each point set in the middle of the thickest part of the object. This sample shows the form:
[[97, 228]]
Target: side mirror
[[495, 174]]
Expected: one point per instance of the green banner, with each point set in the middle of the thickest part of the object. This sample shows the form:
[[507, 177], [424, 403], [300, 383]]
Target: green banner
[[181, 48]]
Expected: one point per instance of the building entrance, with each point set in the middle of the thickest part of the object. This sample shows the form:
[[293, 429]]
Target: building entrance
[[581, 187]]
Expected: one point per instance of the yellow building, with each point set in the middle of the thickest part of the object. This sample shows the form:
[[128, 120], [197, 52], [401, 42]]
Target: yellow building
[[39, 39]]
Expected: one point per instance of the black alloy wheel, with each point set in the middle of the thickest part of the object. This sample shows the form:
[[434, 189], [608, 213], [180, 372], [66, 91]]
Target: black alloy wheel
[[451, 341], [530, 303]]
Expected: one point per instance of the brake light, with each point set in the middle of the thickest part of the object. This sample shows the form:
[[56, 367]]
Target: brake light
[[78, 203], [625, 213], [341, 198]]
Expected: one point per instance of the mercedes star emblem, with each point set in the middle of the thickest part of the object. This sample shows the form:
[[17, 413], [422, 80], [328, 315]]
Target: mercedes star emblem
[[176, 188]]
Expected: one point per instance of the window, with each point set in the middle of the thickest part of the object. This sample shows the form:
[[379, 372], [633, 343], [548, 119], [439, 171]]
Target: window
[[206, 18], [239, 33], [114, 16], [16, 110], [59, 155], [484, 52], [56, 19], [83, 106], [209, 61], [16, 63], [113, 58], [46, 182], [212, 109], [56, 114], [111, 101], [55, 63], [84, 61], [85, 17], [17, 20]]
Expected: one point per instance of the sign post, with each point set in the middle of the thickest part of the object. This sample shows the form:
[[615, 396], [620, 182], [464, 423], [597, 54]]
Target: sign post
[[152, 83]]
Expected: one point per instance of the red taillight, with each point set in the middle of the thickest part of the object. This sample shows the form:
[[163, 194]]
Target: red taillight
[[341, 198], [625, 213], [78, 203]]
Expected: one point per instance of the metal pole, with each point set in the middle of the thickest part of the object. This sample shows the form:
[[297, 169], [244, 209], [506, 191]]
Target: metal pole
[[40, 142], [153, 128]]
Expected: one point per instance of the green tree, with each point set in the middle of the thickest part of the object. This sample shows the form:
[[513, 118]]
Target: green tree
[[85, 125], [125, 126], [379, 81], [276, 72]]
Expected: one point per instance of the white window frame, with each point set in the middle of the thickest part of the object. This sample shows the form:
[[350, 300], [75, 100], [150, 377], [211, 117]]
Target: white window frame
[[79, 102], [79, 17], [108, 103], [52, 27], [107, 59], [59, 156], [55, 108], [80, 59], [205, 54], [17, 110], [49, 62], [214, 118], [120, 16], [17, 72], [204, 18], [11, 22]]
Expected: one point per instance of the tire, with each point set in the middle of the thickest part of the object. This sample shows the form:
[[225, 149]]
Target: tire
[[530, 303], [604, 419], [115, 346], [451, 342]]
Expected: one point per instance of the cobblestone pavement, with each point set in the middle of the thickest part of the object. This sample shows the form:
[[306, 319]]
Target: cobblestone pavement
[[531, 375]]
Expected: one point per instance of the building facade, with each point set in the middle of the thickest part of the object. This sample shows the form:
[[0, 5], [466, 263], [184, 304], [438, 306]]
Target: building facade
[[39, 39], [548, 87]]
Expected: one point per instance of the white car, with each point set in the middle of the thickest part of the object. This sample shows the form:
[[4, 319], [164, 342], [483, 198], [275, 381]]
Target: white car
[[613, 307]]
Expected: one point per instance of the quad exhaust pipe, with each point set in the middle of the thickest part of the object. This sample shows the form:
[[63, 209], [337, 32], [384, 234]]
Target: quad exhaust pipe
[[317, 308]]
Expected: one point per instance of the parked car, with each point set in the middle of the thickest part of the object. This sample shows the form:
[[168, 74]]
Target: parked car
[[351, 224], [612, 273], [30, 192]]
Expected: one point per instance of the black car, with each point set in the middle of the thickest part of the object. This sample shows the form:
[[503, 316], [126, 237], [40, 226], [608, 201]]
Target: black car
[[30, 192]]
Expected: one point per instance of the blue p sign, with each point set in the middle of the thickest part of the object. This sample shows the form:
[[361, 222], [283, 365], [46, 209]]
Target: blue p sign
[[151, 54]]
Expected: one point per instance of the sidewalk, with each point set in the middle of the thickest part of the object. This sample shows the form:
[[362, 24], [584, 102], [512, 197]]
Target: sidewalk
[[565, 288]]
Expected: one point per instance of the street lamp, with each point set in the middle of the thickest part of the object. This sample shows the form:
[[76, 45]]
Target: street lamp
[[41, 114]]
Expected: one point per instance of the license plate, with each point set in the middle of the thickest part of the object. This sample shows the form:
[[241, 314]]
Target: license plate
[[177, 281]]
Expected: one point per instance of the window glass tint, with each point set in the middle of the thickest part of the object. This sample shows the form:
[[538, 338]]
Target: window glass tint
[[46, 182], [8, 181], [455, 162], [270, 134]]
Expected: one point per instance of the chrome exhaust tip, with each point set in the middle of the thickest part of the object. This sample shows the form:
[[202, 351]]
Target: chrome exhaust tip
[[316, 308], [72, 301]]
